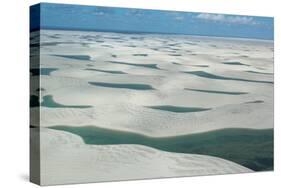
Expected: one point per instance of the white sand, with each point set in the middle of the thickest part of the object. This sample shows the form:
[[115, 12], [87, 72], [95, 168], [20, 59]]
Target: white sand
[[66, 159], [126, 109], [148, 122]]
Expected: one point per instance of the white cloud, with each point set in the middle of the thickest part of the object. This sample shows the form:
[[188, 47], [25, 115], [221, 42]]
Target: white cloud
[[226, 18]]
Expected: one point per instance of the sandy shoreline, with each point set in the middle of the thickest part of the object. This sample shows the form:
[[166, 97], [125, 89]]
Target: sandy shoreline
[[72, 161]]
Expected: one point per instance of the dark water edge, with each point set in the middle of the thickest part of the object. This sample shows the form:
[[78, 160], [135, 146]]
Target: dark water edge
[[248, 147], [217, 92], [217, 77], [106, 71], [144, 55], [256, 101], [49, 102], [152, 66], [234, 63], [178, 109], [76, 57], [132, 86], [255, 72]]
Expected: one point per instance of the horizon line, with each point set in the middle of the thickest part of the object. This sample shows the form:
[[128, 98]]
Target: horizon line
[[144, 32]]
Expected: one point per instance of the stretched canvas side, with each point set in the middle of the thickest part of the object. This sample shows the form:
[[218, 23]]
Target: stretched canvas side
[[34, 67]]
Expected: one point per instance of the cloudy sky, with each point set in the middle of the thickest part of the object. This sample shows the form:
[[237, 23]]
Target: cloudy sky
[[61, 16]]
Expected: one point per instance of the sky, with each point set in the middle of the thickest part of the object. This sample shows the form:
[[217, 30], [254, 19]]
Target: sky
[[96, 18]]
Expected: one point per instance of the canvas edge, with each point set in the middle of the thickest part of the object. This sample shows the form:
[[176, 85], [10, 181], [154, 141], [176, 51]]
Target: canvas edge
[[34, 135]]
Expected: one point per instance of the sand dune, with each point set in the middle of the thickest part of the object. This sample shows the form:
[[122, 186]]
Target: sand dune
[[158, 123], [213, 82], [73, 161], [153, 85]]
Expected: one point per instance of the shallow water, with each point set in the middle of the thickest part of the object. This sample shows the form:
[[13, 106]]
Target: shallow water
[[49, 102], [235, 63], [123, 86], [248, 147], [153, 66], [143, 55], [260, 72], [217, 92], [178, 109], [76, 57], [106, 71], [213, 76]]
